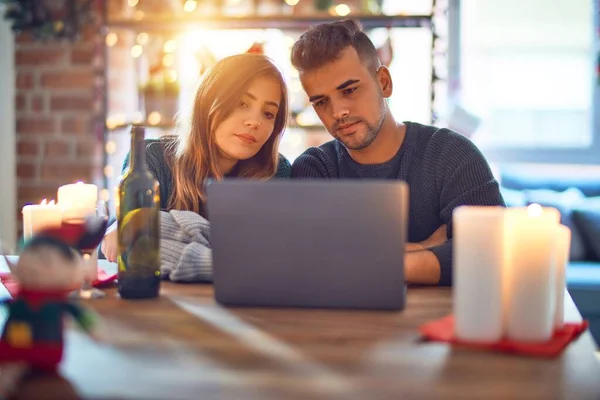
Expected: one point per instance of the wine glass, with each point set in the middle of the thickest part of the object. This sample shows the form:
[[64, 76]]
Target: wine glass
[[90, 255]]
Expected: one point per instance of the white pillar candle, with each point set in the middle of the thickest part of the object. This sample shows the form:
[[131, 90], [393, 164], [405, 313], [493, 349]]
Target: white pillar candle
[[478, 259], [563, 247], [530, 291], [77, 200], [40, 216]]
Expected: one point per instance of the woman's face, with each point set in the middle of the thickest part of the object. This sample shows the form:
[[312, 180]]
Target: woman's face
[[242, 134]]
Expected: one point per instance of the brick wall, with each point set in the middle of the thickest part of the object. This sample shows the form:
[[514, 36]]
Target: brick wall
[[59, 101]]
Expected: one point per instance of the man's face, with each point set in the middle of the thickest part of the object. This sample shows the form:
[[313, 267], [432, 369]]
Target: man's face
[[348, 99]]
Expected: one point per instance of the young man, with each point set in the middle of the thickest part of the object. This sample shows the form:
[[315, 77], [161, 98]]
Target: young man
[[347, 85]]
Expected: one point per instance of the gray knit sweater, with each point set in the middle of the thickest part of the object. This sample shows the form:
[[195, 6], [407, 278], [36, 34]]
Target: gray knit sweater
[[185, 251], [443, 170]]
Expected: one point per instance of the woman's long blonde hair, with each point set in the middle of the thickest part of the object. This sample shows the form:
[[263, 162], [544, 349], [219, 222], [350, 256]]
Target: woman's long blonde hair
[[194, 150]]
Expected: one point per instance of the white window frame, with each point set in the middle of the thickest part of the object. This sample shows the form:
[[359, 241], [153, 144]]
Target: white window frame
[[8, 180], [587, 155]]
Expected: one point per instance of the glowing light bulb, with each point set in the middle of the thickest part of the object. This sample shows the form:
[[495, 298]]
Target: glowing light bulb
[[190, 5], [111, 39], [170, 46], [534, 210], [342, 10], [110, 147], [136, 51], [142, 38]]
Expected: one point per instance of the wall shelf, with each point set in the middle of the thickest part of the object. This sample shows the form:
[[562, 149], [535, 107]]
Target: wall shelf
[[179, 23]]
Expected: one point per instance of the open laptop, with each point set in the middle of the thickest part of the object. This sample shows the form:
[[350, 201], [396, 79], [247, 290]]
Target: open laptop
[[309, 243]]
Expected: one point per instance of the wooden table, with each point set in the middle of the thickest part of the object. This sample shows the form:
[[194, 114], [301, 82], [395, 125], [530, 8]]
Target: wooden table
[[184, 346]]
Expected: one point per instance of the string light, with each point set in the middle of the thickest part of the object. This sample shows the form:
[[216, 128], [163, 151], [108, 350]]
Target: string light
[[342, 10], [108, 171], [154, 118], [292, 2], [168, 60], [136, 51], [132, 3], [190, 5], [105, 194], [142, 38], [170, 46], [110, 147], [172, 76], [111, 39]]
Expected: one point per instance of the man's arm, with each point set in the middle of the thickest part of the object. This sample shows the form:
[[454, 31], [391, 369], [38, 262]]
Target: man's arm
[[463, 177], [421, 265]]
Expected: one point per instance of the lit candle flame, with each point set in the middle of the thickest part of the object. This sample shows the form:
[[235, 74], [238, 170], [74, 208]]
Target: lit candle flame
[[534, 210]]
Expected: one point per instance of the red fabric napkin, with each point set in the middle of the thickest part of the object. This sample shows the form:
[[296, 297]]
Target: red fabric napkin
[[442, 330], [13, 286]]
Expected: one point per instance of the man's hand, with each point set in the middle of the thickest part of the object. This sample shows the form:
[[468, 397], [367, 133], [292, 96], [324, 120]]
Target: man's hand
[[438, 237]]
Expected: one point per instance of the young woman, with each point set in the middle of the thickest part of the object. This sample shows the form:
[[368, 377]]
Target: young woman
[[238, 116]]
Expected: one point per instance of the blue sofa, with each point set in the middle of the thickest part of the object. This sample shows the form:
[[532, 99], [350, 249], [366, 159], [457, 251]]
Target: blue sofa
[[577, 197]]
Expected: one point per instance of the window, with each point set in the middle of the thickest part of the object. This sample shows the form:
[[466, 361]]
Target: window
[[527, 69]]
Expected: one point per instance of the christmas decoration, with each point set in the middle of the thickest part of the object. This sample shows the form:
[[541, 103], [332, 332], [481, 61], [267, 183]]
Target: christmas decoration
[[48, 19]]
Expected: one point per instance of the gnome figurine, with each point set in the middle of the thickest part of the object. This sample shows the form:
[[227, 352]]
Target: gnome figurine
[[50, 267]]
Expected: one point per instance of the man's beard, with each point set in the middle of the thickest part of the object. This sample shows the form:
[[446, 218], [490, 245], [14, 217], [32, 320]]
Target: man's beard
[[353, 142]]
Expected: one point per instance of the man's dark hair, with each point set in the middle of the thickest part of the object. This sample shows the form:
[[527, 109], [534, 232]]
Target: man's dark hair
[[323, 43]]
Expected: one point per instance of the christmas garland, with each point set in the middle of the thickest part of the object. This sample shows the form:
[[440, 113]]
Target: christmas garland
[[48, 19]]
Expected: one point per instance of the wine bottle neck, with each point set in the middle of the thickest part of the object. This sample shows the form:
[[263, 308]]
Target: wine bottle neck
[[138, 150]]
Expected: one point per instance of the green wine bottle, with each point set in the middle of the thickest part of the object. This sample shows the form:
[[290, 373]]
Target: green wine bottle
[[138, 224]]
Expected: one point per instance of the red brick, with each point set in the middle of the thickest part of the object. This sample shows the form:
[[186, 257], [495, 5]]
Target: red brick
[[60, 171], [35, 126], [57, 149], [88, 149], [37, 103], [25, 80], [89, 33], [20, 102], [39, 56], [115, 7], [68, 80], [28, 148], [76, 126], [24, 37], [26, 170], [82, 55], [71, 102]]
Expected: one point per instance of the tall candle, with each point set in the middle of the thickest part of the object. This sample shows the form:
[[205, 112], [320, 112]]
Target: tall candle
[[530, 291], [40, 216], [78, 199], [563, 246], [478, 259]]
